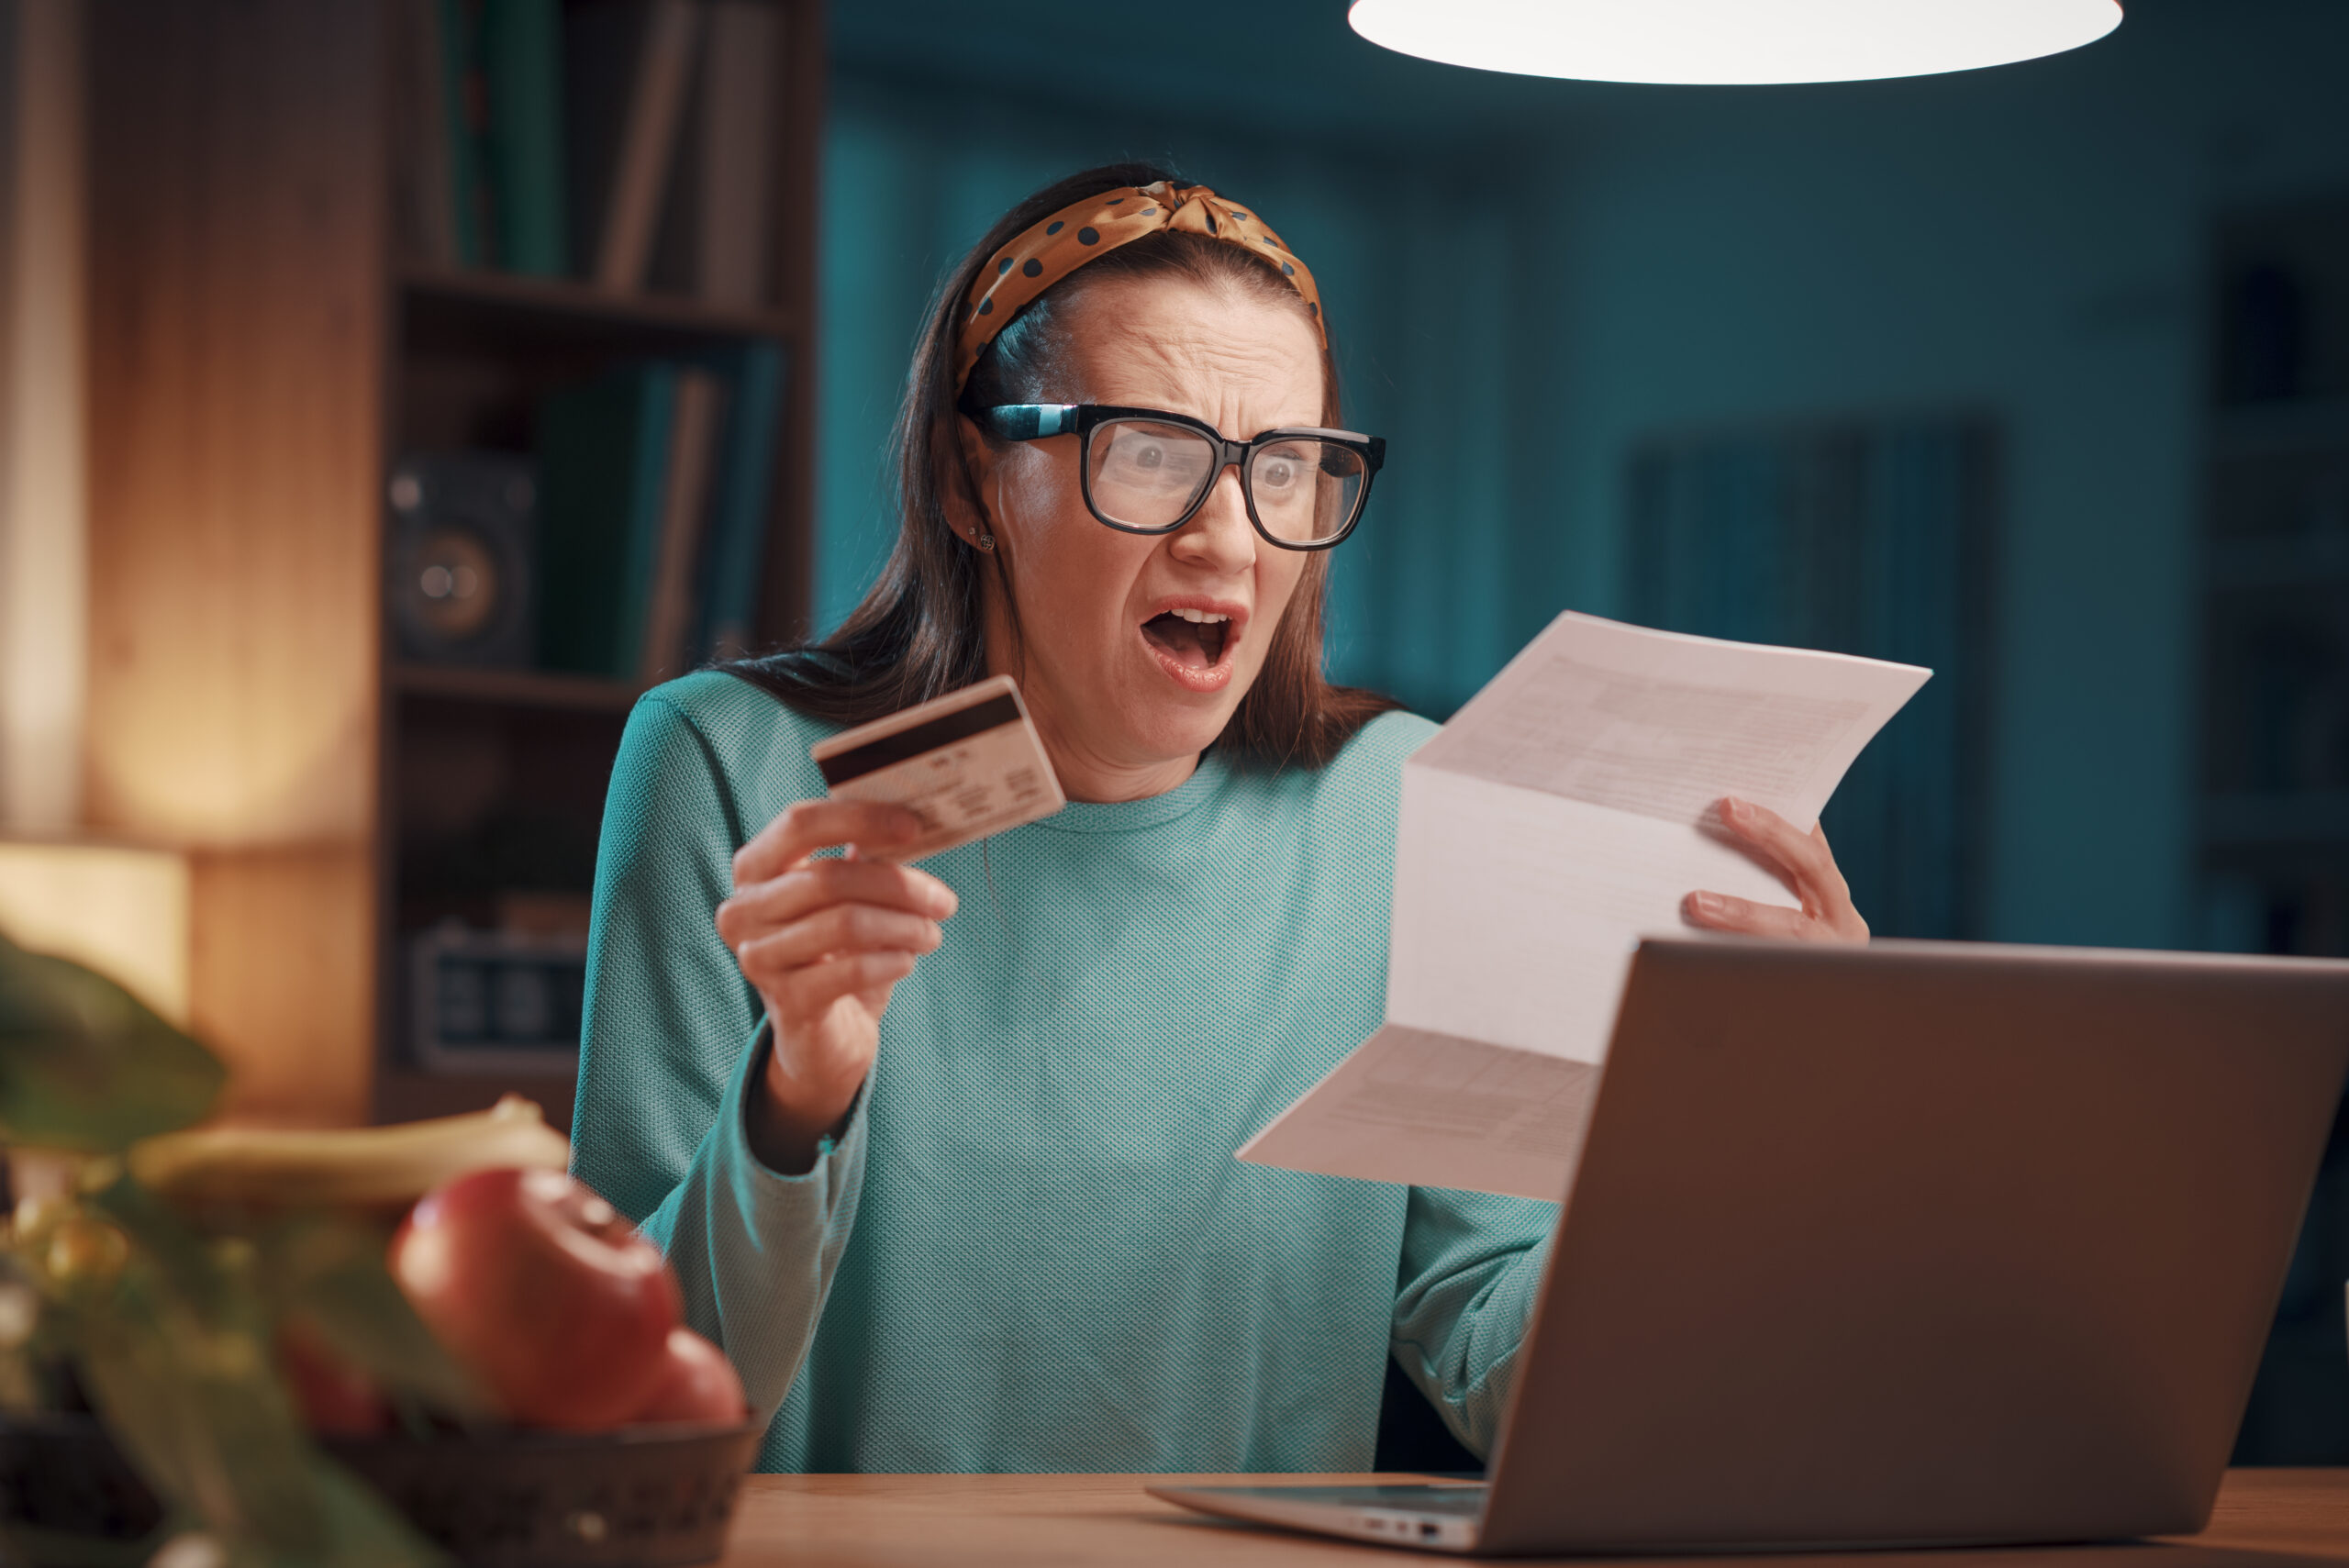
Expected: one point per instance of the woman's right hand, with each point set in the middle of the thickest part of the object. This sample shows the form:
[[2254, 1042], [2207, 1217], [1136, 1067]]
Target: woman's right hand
[[824, 942]]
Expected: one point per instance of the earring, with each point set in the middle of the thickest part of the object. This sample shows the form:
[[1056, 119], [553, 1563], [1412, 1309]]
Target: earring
[[986, 540]]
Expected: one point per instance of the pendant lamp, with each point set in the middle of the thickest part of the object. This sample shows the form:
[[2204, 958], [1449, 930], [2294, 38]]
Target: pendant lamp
[[1719, 42]]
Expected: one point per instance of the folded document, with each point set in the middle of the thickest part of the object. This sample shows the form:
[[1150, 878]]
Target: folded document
[[1559, 817]]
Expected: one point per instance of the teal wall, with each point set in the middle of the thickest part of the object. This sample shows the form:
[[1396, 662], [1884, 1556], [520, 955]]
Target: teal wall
[[2030, 241], [1522, 296]]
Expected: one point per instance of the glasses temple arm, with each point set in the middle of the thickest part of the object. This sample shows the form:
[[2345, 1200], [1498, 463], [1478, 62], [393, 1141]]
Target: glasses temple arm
[[1030, 421]]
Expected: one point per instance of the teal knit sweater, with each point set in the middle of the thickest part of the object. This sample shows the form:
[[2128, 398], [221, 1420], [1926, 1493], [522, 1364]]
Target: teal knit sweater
[[1031, 1249]]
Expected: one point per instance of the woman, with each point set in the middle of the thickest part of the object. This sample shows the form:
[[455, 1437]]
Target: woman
[[967, 1201]]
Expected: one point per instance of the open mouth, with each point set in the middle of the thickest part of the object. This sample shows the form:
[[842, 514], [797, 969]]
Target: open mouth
[[1194, 639], [1192, 645]]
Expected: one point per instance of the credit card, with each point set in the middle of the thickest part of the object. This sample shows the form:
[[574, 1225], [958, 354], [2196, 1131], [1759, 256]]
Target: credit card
[[968, 765]]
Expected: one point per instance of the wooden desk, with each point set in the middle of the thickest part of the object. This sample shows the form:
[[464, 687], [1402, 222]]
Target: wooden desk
[[2265, 1519]]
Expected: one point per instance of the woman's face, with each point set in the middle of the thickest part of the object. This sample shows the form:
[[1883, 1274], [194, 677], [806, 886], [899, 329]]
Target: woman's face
[[1128, 669]]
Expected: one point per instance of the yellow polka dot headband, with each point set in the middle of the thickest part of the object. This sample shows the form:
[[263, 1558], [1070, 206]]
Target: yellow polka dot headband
[[1054, 247]]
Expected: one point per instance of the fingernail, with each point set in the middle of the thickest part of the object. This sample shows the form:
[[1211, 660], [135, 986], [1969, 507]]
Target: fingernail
[[1705, 903], [943, 901], [1735, 809]]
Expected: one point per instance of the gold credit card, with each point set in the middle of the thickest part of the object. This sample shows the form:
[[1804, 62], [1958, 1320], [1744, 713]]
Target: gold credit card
[[968, 765]]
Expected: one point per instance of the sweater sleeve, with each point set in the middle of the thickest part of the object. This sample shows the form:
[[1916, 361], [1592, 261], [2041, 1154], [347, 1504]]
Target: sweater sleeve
[[1472, 1264], [673, 1045]]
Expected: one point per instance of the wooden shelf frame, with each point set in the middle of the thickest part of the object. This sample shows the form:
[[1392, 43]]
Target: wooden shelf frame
[[513, 688], [256, 347], [577, 300]]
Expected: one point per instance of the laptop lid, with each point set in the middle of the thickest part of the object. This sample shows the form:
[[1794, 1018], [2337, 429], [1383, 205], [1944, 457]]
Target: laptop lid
[[1918, 1242]]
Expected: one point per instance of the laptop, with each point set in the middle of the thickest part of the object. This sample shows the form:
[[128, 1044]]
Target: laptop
[[1916, 1244]]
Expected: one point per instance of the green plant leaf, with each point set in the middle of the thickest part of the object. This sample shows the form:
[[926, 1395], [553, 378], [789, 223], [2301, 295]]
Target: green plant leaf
[[85, 1065], [330, 1272], [175, 1351]]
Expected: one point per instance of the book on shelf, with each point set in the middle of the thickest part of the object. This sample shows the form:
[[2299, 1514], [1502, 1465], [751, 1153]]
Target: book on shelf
[[737, 524], [424, 199], [714, 237], [603, 448], [480, 127], [685, 511], [733, 165], [464, 106], [631, 143], [654, 485], [521, 52], [601, 39], [646, 148]]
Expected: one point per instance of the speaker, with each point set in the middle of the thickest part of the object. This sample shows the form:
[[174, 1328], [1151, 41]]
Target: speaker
[[461, 537]]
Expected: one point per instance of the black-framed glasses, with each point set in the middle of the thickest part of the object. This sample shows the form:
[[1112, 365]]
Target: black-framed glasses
[[1148, 471]]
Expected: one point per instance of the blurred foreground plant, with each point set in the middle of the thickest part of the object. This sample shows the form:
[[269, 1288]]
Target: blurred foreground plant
[[170, 1324]]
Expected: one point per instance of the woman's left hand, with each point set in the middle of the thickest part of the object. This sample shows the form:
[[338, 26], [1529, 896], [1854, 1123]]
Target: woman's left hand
[[1806, 864]]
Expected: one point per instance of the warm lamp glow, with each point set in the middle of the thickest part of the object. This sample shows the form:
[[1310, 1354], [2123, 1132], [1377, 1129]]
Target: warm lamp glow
[[124, 912], [44, 597], [1718, 42]]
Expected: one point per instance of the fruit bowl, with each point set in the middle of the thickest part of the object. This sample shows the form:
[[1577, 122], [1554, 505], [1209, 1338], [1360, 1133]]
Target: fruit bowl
[[649, 1496], [639, 1497]]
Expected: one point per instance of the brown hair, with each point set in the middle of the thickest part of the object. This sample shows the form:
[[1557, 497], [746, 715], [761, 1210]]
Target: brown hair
[[920, 631]]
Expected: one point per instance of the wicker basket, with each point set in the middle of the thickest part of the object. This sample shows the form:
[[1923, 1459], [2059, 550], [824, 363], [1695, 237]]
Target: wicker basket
[[640, 1497]]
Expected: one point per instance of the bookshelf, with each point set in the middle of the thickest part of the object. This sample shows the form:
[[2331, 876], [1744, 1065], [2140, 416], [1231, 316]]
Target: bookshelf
[[493, 777], [2275, 821], [2274, 827], [272, 333]]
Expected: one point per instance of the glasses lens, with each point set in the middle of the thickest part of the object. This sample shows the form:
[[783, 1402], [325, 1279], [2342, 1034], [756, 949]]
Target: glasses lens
[[1306, 490], [1144, 474]]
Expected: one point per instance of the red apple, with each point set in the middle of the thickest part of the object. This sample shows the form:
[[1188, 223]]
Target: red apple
[[332, 1395], [697, 1384], [539, 1286]]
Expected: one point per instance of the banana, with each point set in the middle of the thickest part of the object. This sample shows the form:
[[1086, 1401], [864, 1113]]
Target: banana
[[371, 1168]]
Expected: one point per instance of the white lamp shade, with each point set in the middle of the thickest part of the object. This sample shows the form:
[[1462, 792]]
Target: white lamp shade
[[1719, 42], [124, 912]]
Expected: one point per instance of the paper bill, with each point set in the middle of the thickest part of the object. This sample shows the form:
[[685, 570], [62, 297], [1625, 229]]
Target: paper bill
[[1559, 817]]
